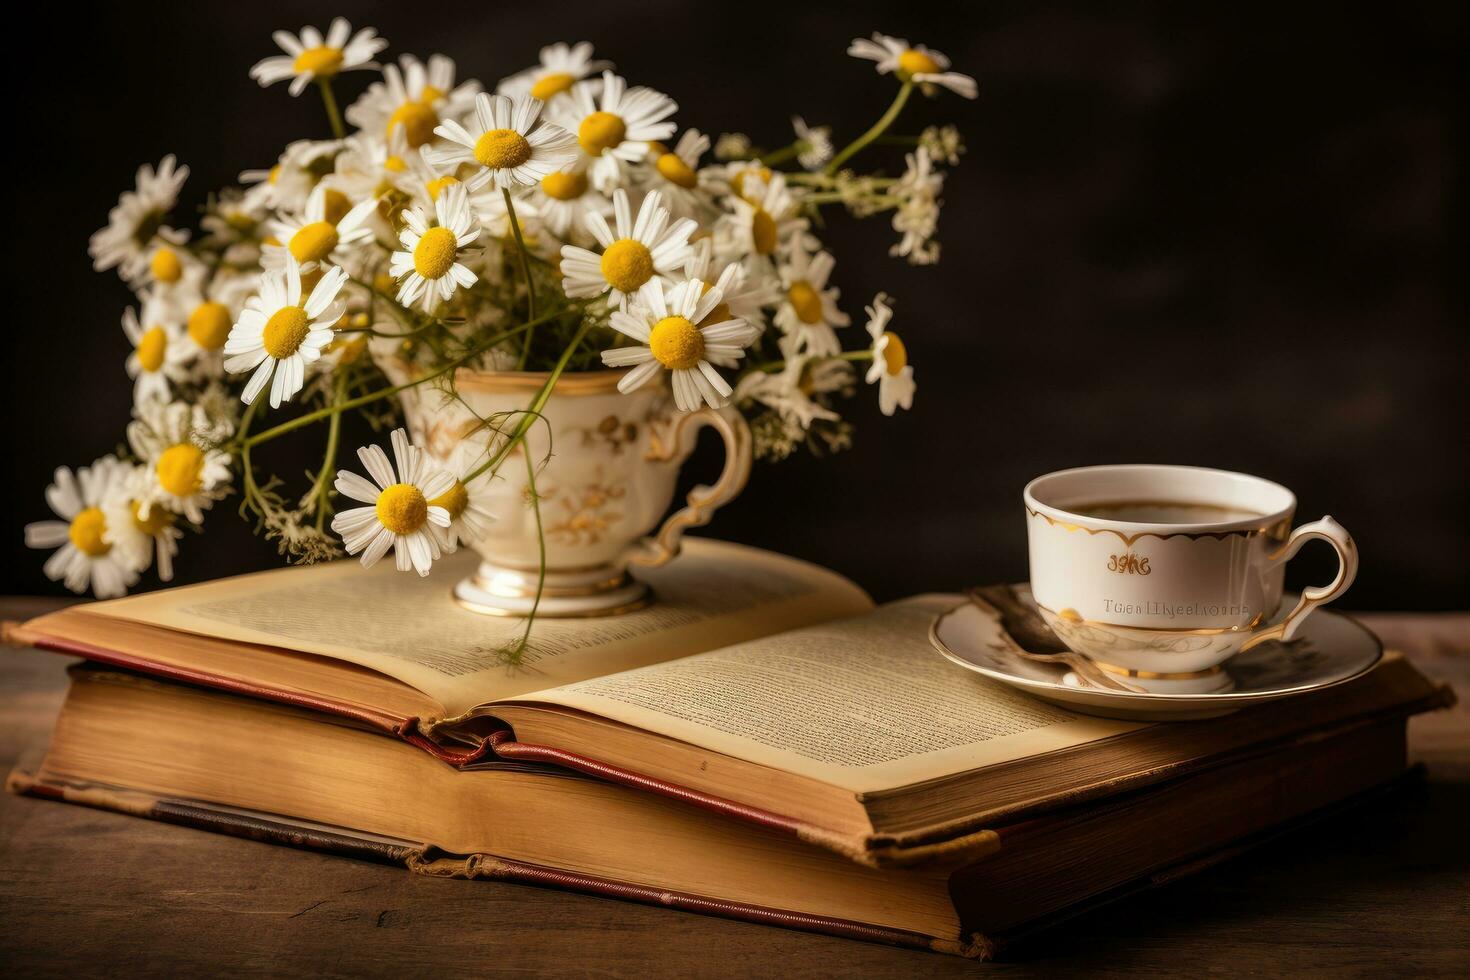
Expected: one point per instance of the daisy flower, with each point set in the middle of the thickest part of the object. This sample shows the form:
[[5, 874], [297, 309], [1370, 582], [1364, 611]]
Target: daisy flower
[[766, 214], [808, 311], [136, 221], [139, 530], [287, 184], [280, 334], [400, 513], [328, 229], [670, 337], [615, 126], [924, 66], [813, 144], [469, 518], [640, 250], [510, 144], [184, 473], [159, 352], [84, 556], [790, 391], [677, 171], [748, 288], [564, 199], [412, 99], [310, 57], [890, 367], [430, 259], [561, 67], [169, 268]]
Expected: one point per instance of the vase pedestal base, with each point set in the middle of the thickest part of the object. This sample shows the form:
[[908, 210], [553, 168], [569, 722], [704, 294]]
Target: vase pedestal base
[[604, 590]]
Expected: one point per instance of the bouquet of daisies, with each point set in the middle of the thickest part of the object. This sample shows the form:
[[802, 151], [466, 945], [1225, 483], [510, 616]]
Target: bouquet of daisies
[[560, 223]]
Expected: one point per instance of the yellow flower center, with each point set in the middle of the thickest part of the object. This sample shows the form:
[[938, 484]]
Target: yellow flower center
[[554, 83], [323, 62], [402, 508], [166, 266], [806, 301], [418, 120], [431, 94], [627, 264], [763, 231], [500, 149], [86, 533], [895, 357], [335, 205], [676, 343], [563, 186], [152, 348], [675, 170], [314, 242], [601, 131], [153, 525], [285, 331], [395, 164], [180, 469], [209, 325], [913, 62], [454, 500], [433, 256], [737, 182], [719, 314], [436, 186]]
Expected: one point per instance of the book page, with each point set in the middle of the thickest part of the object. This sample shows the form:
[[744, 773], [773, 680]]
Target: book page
[[863, 703], [411, 629]]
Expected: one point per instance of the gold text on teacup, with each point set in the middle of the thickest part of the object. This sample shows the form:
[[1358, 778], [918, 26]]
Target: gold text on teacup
[[1128, 564]]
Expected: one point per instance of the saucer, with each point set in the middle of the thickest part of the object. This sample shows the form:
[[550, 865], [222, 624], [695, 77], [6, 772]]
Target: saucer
[[1330, 649]]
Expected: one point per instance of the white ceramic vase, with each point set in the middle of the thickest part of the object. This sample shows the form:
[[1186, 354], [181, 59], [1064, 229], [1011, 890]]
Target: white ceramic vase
[[607, 483]]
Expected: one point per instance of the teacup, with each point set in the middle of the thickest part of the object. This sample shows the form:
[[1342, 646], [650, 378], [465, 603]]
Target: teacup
[[1159, 574]]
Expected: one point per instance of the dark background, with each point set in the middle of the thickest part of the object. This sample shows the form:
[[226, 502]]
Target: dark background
[[1182, 233]]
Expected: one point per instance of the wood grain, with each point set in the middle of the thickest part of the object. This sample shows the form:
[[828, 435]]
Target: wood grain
[[1382, 889]]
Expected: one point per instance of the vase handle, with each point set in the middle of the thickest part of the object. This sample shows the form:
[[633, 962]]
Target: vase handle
[[702, 501]]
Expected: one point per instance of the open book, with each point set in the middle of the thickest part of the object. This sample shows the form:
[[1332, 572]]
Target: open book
[[757, 685]]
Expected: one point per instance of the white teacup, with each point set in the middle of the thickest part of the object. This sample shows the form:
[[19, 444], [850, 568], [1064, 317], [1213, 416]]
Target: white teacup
[[1160, 574]]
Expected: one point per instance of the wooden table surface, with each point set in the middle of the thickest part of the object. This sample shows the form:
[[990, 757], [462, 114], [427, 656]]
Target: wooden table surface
[[1381, 889]]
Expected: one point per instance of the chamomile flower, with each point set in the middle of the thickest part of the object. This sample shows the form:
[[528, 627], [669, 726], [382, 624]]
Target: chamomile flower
[[185, 473], [401, 513], [890, 367], [328, 229], [676, 172], [561, 67], [813, 144], [640, 250], [792, 391], [170, 268], [136, 222], [279, 333], [808, 311], [765, 214], [925, 67], [85, 557], [310, 57], [510, 144], [159, 352], [287, 184], [748, 287], [564, 199], [142, 532], [208, 318], [411, 100], [429, 264], [668, 329], [916, 218], [615, 126], [469, 517]]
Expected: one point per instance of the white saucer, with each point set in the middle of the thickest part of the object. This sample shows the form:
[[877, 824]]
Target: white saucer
[[1333, 649]]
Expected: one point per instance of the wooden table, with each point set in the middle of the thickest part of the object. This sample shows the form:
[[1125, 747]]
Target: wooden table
[[1382, 889]]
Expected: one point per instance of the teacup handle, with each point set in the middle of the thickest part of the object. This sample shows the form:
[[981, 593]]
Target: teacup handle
[[702, 501], [1334, 534]]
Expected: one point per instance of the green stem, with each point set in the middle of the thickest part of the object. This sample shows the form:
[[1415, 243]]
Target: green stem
[[533, 411], [304, 420], [333, 114], [876, 131], [788, 152], [319, 489], [515, 227]]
